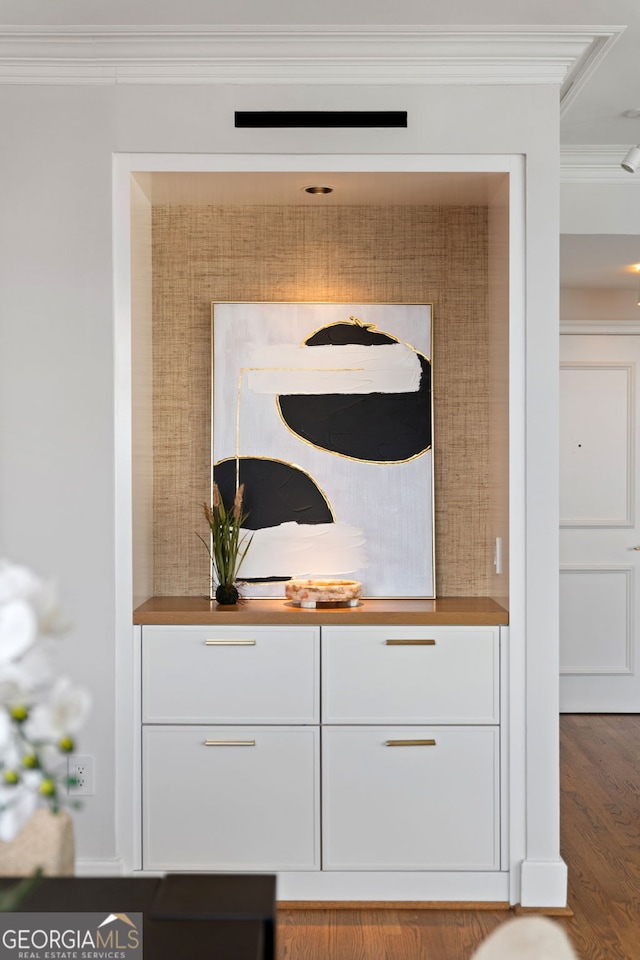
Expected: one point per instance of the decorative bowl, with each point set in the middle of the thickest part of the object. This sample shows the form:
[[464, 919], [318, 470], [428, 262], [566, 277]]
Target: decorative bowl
[[308, 593]]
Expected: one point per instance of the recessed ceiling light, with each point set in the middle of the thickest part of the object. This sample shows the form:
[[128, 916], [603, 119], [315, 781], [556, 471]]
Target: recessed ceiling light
[[317, 191]]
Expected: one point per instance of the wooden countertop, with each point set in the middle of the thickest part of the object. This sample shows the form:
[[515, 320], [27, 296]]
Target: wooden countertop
[[452, 611]]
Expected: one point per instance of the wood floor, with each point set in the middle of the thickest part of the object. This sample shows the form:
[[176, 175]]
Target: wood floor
[[600, 771]]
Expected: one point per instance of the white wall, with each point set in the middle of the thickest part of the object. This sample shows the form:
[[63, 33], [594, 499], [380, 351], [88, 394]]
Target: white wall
[[599, 304], [603, 208], [56, 393], [56, 365]]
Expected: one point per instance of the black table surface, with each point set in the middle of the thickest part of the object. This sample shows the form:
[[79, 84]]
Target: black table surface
[[185, 916]]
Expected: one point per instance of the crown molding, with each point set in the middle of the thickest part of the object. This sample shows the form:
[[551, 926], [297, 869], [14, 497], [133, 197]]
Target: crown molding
[[561, 56], [602, 41], [595, 163]]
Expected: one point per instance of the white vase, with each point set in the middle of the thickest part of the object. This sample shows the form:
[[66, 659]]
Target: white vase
[[45, 842]]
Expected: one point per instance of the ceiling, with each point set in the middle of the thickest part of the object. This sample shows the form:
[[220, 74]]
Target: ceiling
[[597, 114], [597, 117]]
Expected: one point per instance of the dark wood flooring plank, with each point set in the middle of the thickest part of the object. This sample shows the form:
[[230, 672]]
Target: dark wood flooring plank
[[600, 832]]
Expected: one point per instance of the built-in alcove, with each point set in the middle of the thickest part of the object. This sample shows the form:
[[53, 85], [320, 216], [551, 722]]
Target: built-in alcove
[[439, 238]]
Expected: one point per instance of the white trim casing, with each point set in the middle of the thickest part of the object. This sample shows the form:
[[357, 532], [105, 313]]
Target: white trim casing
[[517, 677], [540, 604], [127, 684], [530, 805], [544, 883]]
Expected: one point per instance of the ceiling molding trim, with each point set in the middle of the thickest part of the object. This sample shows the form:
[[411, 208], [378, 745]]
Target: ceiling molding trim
[[564, 56], [615, 328], [595, 163], [594, 55]]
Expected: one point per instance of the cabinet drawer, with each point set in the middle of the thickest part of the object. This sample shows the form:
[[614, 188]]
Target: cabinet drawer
[[410, 675], [410, 807], [230, 674], [248, 801]]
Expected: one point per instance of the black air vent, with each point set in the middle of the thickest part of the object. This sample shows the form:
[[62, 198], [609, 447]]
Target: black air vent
[[321, 118]]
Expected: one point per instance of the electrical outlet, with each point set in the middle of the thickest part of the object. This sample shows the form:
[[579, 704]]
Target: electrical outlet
[[81, 769]]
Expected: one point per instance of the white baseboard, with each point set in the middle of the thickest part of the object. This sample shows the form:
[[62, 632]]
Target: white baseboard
[[99, 868], [490, 886], [543, 883]]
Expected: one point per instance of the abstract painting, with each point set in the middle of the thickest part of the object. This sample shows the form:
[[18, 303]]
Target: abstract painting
[[324, 412]]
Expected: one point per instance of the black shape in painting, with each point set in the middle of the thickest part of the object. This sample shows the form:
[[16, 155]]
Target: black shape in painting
[[275, 492], [373, 427]]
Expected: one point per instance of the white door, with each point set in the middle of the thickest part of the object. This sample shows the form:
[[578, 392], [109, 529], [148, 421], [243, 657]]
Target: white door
[[600, 527]]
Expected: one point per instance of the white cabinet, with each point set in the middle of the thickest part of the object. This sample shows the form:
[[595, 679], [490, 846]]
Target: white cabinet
[[410, 740], [230, 674], [231, 798], [410, 675], [230, 748], [410, 798], [395, 768]]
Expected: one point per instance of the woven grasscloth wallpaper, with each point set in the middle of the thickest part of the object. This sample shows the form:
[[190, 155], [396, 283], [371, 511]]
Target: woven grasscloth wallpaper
[[432, 255]]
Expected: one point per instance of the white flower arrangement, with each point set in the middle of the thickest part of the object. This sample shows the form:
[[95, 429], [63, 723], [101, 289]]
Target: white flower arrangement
[[39, 713]]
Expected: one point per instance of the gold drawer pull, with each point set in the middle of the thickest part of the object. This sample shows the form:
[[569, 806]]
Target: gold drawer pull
[[230, 643], [410, 743], [410, 643], [229, 743]]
